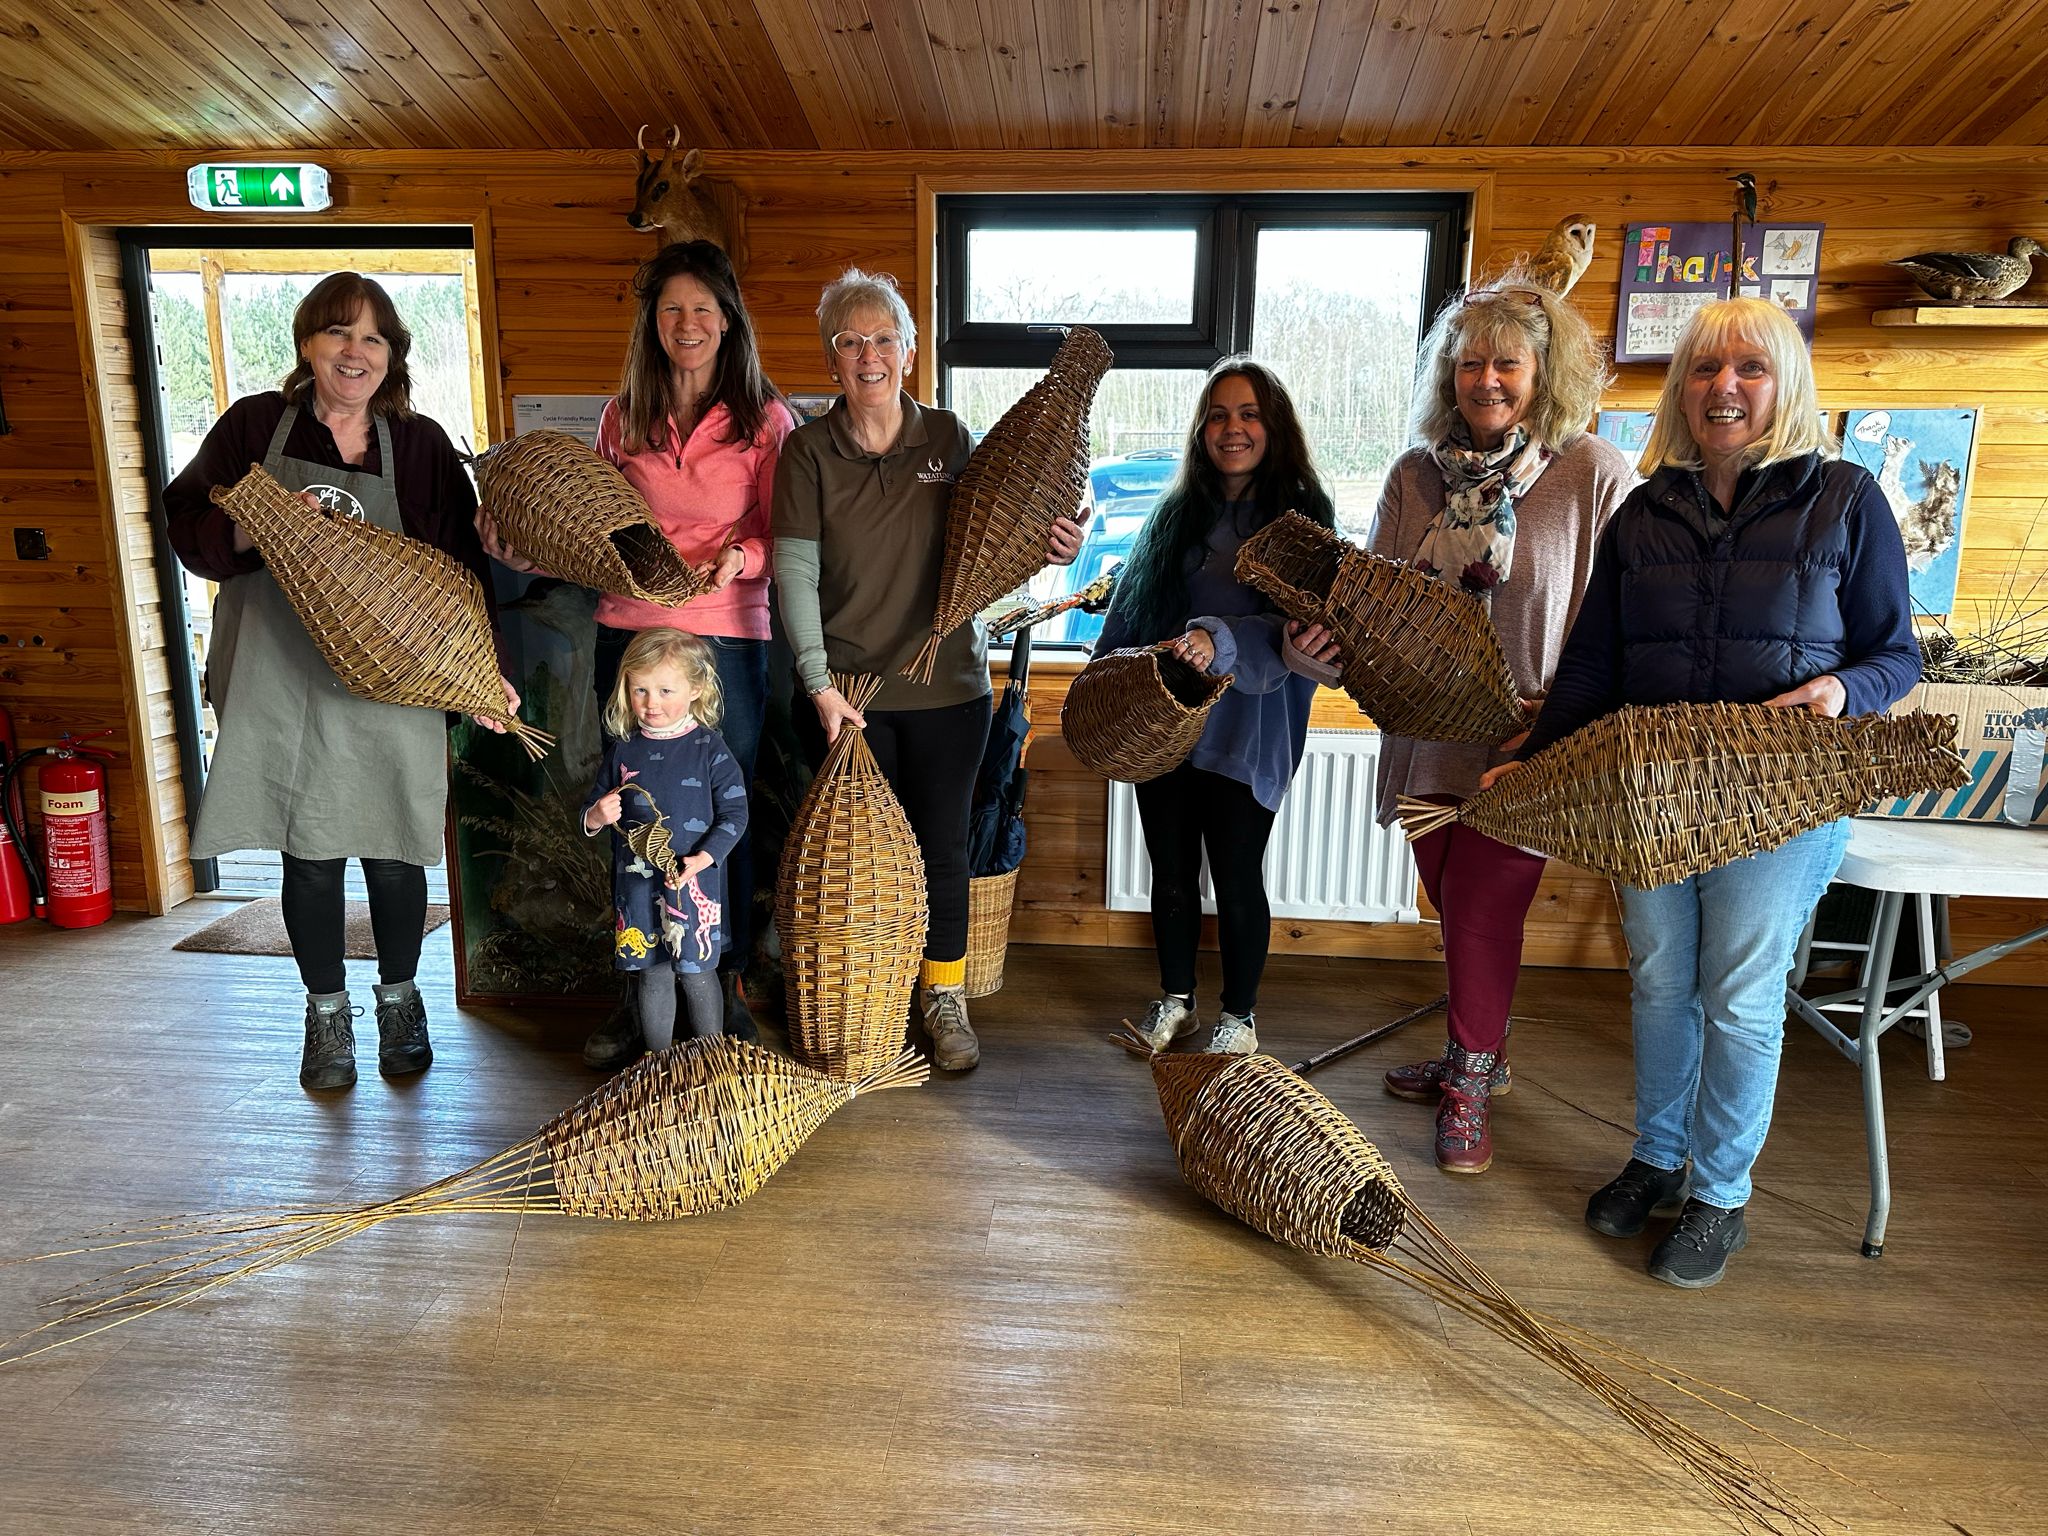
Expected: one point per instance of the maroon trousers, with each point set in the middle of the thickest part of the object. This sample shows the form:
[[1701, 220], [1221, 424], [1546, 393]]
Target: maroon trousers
[[1482, 890]]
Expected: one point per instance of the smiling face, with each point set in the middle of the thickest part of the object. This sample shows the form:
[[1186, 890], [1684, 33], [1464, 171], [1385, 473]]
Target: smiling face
[[870, 372], [349, 363], [691, 325], [1233, 434], [661, 697], [1730, 398], [1496, 383]]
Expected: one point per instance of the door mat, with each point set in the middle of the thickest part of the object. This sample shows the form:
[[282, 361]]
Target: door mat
[[257, 928]]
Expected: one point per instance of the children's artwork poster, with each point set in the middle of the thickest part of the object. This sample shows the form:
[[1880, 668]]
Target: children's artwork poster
[[1671, 271], [1628, 431], [1922, 462]]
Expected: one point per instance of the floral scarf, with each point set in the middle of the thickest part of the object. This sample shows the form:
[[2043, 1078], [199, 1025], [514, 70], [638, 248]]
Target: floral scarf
[[1472, 540]]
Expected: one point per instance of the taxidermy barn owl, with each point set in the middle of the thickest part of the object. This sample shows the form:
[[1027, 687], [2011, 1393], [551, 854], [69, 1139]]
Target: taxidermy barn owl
[[1563, 257]]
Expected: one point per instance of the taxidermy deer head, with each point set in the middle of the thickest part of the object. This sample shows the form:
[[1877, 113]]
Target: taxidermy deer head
[[670, 200]]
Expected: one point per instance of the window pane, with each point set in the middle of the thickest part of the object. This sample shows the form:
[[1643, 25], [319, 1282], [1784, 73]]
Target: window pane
[[256, 326], [1338, 313], [1135, 433], [1100, 276]]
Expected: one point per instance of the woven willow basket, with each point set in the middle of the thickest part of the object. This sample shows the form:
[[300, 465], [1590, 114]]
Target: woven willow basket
[[1419, 655], [1135, 714], [1649, 795], [397, 620], [989, 899], [695, 1127], [1032, 467], [850, 909], [1261, 1142], [566, 508]]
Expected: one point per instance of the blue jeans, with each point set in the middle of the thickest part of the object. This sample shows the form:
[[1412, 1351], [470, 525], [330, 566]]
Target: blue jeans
[[1708, 959], [743, 679]]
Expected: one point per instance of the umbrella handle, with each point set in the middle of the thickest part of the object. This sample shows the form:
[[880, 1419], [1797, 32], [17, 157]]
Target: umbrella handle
[[1020, 658]]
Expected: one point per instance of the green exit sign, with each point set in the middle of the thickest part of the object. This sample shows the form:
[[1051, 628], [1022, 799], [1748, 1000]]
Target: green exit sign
[[258, 188]]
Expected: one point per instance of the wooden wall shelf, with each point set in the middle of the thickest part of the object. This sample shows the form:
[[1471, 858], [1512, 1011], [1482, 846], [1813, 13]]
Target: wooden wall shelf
[[1985, 316]]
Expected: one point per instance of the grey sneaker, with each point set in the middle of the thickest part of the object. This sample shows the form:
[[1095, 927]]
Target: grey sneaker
[[1235, 1035], [1695, 1253], [1167, 1020], [329, 1059], [954, 1048], [617, 1042], [402, 1044]]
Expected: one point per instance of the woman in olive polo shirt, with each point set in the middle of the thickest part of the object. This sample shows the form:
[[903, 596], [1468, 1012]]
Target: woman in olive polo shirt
[[860, 533]]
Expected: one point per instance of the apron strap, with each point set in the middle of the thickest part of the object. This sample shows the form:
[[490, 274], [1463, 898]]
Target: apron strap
[[273, 456]]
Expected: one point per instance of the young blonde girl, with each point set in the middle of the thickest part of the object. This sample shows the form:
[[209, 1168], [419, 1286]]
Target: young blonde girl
[[665, 766]]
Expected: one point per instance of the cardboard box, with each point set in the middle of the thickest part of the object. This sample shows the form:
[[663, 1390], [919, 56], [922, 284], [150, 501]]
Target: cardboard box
[[2003, 734]]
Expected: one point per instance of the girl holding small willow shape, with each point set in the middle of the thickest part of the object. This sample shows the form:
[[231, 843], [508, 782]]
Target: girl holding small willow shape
[[672, 793], [1245, 463], [1504, 494]]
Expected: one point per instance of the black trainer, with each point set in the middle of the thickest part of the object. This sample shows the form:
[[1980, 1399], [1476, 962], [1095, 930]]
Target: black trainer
[[329, 1059], [1695, 1253], [402, 1044], [739, 1019], [617, 1042], [1624, 1207]]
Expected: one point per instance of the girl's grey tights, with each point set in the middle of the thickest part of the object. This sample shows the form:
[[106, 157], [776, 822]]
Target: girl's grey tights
[[703, 1001]]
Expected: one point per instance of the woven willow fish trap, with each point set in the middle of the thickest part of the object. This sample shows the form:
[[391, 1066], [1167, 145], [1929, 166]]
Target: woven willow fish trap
[[1032, 467], [850, 909], [1135, 714], [695, 1127], [397, 620], [1419, 655], [989, 898], [566, 508], [1260, 1141], [1650, 795]]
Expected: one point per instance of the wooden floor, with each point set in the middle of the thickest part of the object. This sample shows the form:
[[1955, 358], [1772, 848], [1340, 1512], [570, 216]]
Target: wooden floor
[[987, 1305]]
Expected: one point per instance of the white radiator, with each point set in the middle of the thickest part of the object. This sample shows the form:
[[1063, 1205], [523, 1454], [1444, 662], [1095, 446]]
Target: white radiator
[[1328, 858]]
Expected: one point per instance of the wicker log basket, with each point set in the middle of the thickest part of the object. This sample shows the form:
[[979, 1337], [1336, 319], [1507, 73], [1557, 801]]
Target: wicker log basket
[[989, 899], [1031, 468], [1419, 655], [1651, 795], [397, 620], [850, 909], [1135, 714], [1258, 1140], [692, 1128], [569, 510]]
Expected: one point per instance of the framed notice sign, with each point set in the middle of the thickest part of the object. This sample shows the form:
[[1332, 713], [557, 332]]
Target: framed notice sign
[[1668, 271]]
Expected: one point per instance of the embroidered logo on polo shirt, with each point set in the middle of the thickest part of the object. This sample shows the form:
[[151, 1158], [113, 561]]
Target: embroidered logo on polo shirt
[[934, 473], [333, 498]]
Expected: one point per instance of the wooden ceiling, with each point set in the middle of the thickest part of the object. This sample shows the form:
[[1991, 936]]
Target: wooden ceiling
[[1038, 74]]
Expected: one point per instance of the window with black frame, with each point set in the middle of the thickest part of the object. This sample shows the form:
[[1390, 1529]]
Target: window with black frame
[[1333, 291]]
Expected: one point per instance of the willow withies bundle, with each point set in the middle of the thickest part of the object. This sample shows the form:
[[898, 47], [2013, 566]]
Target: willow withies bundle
[[695, 1127], [1258, 1140], [1653, 794], [1031, 468], [398, 621]]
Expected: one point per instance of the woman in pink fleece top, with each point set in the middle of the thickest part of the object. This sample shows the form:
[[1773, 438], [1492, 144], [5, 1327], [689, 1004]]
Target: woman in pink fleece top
[[697, 428]]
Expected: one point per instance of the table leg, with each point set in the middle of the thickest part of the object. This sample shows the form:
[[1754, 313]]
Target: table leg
[[1884, 934], [1930, 962]]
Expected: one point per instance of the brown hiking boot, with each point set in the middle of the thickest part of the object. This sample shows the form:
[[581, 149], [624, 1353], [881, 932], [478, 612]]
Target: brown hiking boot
[[1464, 1115], [954, 1048], [1422, 1081]]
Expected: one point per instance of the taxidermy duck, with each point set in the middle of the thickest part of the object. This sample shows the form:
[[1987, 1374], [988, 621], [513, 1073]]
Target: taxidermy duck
[[1565, 254], [1971, 277]]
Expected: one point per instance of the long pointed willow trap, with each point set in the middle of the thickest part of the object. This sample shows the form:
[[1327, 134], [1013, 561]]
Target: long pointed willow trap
[[1652, 794], [850, 908], [692, 1128], [1032, 467], [569, 510], [1136, 714], [397, 620], [1419, 655], [1258, 1140]]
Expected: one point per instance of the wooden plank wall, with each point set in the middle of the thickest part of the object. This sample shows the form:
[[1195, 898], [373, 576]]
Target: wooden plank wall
[[556, 258]]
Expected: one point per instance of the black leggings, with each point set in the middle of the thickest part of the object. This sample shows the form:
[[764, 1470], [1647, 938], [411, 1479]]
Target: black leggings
[[1183, 812], [317, 919], [930, 758]]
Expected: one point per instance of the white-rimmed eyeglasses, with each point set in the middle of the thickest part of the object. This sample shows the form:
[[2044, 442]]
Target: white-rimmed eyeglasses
[[853, 343]]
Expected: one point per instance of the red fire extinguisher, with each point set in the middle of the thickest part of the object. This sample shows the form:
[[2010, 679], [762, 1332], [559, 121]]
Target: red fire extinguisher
[[75, 888]]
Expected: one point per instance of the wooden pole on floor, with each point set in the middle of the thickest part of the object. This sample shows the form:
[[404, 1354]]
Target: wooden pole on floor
[[1324, 1058]]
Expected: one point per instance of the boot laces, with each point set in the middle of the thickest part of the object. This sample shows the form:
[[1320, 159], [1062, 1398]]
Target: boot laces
[[334, 1030], [1462, 1116], [945, 1012], [1697, 1224]]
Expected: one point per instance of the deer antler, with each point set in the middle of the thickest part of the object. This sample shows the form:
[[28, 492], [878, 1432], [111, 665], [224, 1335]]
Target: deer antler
[[675, 136], [640, 141]]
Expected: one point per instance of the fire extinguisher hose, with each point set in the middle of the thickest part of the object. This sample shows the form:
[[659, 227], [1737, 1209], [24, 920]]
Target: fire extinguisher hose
[[38, 893]]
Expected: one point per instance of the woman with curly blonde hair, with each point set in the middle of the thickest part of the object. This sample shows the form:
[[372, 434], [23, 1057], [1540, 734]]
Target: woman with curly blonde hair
[[1503, 493]]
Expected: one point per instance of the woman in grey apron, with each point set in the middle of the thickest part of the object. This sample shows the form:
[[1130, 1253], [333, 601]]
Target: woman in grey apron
[[301, 764]]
